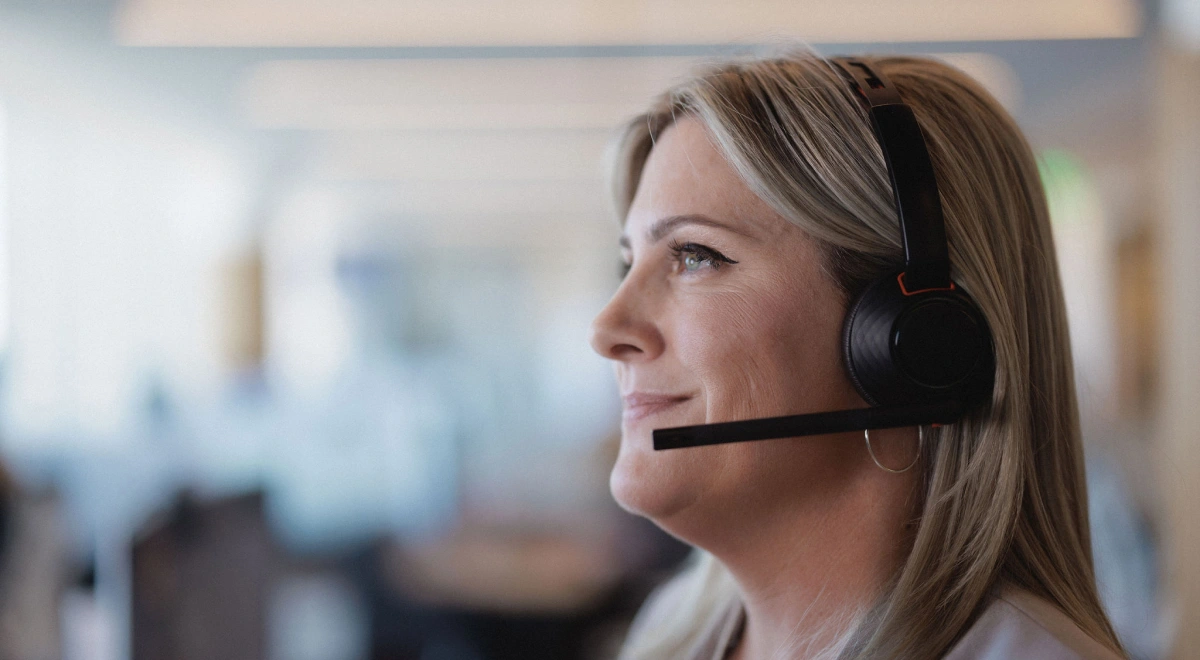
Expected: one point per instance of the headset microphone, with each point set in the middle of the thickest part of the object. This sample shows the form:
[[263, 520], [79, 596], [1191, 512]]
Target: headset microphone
[[916, 347]]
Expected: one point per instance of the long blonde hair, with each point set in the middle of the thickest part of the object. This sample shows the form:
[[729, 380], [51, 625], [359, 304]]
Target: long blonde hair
[[1005, 499]]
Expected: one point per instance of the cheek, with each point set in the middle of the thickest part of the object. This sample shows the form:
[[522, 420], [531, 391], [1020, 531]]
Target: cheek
[[762, 352], [758, 351]]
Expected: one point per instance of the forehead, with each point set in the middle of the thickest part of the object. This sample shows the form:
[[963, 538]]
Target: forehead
[[686, 174]]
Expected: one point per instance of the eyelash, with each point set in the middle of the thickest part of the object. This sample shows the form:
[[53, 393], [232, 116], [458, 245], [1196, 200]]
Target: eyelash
[[714, 258]]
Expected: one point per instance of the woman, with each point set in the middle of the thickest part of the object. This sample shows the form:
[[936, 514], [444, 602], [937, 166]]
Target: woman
[[756, 204]]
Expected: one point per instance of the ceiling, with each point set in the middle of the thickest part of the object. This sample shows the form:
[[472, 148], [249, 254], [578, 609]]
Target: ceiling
[[611, 22], [454, 113]]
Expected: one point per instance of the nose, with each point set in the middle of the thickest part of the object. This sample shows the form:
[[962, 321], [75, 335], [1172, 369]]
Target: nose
[[623, 330]]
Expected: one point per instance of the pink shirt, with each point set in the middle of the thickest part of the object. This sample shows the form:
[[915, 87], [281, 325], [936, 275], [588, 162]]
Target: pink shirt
[[1021, 625], [1017, 624]]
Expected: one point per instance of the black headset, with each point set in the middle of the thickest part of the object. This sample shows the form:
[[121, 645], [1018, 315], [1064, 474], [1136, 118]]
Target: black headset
[[916, 346]]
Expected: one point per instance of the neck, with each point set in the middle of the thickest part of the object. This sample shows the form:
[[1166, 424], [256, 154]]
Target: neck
[[806, 575]]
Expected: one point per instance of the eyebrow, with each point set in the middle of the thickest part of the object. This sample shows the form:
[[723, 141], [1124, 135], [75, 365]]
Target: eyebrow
[[665, 226]]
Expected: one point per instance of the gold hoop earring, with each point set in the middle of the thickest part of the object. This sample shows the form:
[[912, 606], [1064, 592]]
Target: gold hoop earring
[[920, 446]]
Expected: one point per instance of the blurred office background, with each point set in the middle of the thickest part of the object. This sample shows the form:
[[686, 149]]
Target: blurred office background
[[294, 301]]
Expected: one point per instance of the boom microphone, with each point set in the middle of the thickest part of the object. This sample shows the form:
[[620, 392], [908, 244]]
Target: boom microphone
[[839, 421]]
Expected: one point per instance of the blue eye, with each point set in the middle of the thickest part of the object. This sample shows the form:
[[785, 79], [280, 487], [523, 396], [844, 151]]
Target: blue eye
[[695, 257]]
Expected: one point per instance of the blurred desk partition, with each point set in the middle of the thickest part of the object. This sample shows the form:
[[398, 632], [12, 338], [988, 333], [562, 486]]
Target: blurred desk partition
[[202, 578]]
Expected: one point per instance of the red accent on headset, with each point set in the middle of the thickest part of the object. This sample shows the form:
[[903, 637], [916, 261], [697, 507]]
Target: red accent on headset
[[905, 291]]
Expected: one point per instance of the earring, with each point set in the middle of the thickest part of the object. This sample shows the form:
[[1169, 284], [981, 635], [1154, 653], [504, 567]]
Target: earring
[[920, 446]]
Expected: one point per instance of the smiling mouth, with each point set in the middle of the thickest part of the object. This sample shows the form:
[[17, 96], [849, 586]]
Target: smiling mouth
[[639, 406]]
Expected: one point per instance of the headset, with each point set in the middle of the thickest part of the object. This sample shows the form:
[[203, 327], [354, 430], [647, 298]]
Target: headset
[[916, 346]]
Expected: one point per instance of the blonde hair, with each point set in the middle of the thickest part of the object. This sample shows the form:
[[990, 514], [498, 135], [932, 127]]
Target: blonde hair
[[1005, 499]]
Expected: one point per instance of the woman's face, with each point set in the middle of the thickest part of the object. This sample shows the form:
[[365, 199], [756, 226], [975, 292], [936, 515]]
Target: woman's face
[[724, 314]]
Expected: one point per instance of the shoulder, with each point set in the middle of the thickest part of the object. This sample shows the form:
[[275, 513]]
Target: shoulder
[[1018, 624], [661, 606], [688, 617]]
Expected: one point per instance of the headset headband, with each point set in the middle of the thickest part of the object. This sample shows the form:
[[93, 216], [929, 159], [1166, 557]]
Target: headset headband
[[914, 186]]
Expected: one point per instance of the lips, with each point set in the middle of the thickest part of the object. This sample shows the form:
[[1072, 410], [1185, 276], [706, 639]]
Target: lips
[[639, 405]]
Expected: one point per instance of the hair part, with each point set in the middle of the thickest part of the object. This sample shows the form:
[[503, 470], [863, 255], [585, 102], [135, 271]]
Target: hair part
[[1004, 492]]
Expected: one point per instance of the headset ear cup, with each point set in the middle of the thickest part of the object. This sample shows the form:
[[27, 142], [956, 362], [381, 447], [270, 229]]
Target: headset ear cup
[[864, 340], [848, 354], [916, 348]]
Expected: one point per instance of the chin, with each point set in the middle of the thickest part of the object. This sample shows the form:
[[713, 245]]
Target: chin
[[656, 485]]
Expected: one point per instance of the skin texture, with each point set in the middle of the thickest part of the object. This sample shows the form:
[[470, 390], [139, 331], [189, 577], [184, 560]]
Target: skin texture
[[810, 528]]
